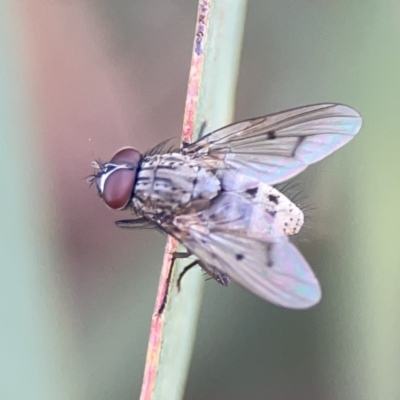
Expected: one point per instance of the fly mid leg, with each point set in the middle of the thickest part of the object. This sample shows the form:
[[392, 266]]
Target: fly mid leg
[[175, 256], [220, 277]]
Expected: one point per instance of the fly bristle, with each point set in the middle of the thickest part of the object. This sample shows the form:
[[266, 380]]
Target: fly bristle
[[298, 196], [286, 187], [90, 179], [161, 149], [97, 164]]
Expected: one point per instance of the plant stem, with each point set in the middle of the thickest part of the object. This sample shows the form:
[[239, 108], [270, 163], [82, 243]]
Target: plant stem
[[210, 99]]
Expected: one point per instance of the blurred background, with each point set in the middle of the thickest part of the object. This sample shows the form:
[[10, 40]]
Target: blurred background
[[78, 80]]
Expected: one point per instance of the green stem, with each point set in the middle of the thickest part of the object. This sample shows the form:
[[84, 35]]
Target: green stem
[[210, 99]]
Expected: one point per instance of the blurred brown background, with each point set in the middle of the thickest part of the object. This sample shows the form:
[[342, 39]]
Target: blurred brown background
[[78, 80]]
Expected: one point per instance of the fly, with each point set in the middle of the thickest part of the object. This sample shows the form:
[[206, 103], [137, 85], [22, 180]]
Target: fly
[[216, 196]]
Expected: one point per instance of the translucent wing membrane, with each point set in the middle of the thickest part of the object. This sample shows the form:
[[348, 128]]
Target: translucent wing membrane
[[274, 271], [215, 196], [276, 147], [237, 237]]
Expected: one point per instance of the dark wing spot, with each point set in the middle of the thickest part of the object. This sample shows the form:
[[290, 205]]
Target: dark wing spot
[[272, 213], [270, 262], [252, 191], [273, 198], [239, 257], [271, 135]]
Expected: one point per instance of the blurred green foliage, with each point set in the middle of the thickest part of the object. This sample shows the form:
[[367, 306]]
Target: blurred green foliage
[[83, 78]]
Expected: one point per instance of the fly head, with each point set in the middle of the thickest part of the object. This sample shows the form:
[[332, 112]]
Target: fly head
[[115, 179]]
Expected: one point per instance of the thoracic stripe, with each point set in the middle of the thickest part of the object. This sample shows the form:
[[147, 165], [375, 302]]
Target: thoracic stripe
[[172, 182]]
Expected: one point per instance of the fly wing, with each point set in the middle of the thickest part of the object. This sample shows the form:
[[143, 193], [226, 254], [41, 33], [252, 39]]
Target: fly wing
[[277, 147], [276, 272], [238, 238]]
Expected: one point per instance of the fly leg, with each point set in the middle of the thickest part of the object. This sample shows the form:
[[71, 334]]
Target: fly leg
[[185, 254], [186, 269], [202, 129], [220, 277], [213, 272], [201, 133], [181, 254], [175, 255]]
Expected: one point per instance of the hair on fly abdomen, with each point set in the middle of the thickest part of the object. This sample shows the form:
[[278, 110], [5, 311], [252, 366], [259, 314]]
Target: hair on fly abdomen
[[293, 191]]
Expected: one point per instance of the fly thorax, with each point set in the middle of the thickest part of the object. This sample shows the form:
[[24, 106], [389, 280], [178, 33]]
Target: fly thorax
[[172, 182]]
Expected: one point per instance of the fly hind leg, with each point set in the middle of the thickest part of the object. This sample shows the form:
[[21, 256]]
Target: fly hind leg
[[220, 277], [213, 272]]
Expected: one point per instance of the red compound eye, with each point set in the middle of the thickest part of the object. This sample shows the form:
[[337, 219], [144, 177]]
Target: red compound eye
[[127, 155], [118, 185], [118, 188]]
